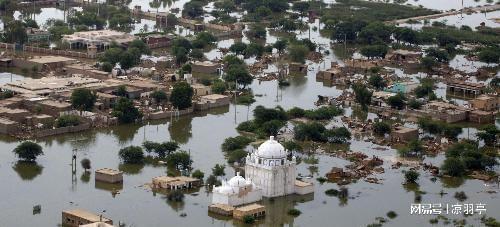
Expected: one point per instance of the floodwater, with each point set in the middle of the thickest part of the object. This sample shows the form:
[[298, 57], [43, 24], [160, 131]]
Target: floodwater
[[472, 20], [51, 184]]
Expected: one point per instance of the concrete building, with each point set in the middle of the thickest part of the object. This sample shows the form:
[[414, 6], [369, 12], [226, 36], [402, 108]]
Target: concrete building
[[205, 67], [447, 112], [51, 85], [174, 183], [464, 89], [222, 209], [403, 87], [237, 191], [255, 210], [17, 115], [481, 117], [486, 103], [379, 98], [404, 134], [403, 56], [77, 217], [331, 74], [8, 127], [269, 169], [211, 101], [297, 68], [97, 224], [109, 175], [44, 62], [101, 38], [200, 90]]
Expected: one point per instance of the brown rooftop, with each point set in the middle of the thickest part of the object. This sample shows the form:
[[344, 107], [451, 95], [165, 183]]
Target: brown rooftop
[[86, 215], [109, 171], [250, 207]]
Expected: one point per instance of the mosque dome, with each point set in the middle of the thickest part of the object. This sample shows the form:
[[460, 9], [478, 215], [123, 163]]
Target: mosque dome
[[237, 181], [271, 149], [224, 189]]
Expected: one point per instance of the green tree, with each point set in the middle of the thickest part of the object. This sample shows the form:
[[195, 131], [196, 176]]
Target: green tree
[[337, 135], [166, 148], [377, 81], [83, 99], [254, 49], [15, 32], [454, 167], [309, 131], [363, 95], [381, 128], [218, 170], [397, 101], [131, 154], [238, 48], [198, 174], [159, 96], [218, 87], [125, 111], [238, 74], [489, 55], [86, 165], [411, 176], [428, 63], [301, 7], [489, 134], [374, 51], [181, 96], [193, 9], [180, 160], [414, 148], [28, 151], [280, 45], [67, 120], [298, 53]]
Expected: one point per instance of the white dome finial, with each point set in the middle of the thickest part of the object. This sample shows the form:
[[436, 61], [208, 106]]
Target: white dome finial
[[271, 138]]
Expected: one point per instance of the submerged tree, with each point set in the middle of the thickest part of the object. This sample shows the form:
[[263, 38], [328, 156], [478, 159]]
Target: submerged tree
[[85, 164], [28, 151]]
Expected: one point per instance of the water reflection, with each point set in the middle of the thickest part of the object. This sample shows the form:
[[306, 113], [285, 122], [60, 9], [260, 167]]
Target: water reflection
[[27, 170], [85, 177], [180, 129], [131, 169], [452, 182], [125, 133]]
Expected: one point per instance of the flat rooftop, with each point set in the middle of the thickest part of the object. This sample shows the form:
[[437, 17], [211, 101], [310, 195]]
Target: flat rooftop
[[214, 96], [299, 183], [224, 207], [401, 129], [51, 84], [86, 215], [250, 207], [55, 103], [50, 59], [109, 171], [5, 121]]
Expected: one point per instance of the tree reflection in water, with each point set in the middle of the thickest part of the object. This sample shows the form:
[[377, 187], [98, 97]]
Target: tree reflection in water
[[27, 170]]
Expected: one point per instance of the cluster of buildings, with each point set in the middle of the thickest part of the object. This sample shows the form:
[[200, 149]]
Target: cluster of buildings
[[39, 102]]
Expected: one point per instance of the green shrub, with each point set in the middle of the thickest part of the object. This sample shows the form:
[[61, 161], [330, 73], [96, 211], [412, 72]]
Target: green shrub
[[294, 212], [233, 143], [67, 120], [411, 176]]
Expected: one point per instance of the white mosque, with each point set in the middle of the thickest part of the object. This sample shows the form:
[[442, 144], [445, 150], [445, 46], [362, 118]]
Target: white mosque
[[268, 174]]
